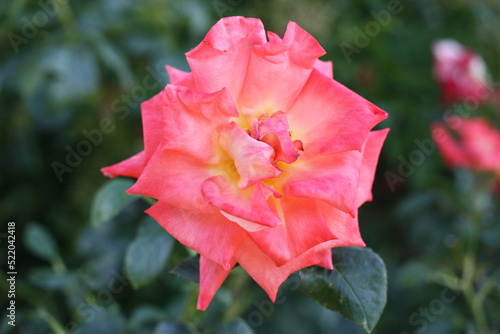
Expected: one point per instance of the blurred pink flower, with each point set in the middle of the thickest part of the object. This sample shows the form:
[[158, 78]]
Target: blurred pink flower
[[471, 143], [257, 156], [461, 73]]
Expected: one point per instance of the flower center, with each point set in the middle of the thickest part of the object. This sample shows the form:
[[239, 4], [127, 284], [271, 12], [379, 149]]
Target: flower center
[[274, 131], [229, 169]]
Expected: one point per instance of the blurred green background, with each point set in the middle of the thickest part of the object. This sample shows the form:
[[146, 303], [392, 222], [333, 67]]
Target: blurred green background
[[72, 69]]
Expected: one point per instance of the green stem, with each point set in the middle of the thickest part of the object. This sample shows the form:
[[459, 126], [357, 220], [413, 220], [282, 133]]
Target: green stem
[[56, 327], [475, 218], [469, 294], [149, 200], [189, 312], [33, 297], [479, 298], [446, 279], [58, 265], [26, 292], [239, 287], [477, 309]]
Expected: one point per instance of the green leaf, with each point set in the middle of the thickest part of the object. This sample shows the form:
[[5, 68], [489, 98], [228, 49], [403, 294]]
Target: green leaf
[[189, 269], [47, 279], [110, 200], [40, 242], [356, 288], [147, 255]]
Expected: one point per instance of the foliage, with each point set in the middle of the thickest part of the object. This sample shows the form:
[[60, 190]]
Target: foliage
[[356, 288]]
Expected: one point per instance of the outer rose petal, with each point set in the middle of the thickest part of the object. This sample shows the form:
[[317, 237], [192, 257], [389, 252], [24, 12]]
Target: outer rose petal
[[325, 258], [212, 275], [250, 204], [371, 152], [191, 119], [221, 59], [266, 273], [324, 67], [176, 75], [252, 158], [278, 70], [131, 167], [344, 226], [171, 187], [332, 178], [152, 118], [211, 235], [303, 228], [324, 110], [181, 78]]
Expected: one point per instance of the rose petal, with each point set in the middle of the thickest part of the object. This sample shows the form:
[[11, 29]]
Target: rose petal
[[324, 67], [166, 178], [191, 119], [451, 151], [328, 117], [152, 119], [131, 167], [332, 178], [198, 231], [176, 76], [221, 59], [475, 146], [212, 275], [344, 226], [290, 59], [303, 227], [481, 143], [252, 158], [152, 115], [274, 132], [325, 258], [265, 271], [250, 204], [371, 153]]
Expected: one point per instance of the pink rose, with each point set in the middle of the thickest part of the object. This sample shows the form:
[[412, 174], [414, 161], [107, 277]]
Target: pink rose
[[460, 72], [471, 143], [257, 156]]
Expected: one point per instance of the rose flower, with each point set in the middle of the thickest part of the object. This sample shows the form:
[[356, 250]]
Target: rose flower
[[471, 143], [257, 156], [460, 72]]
